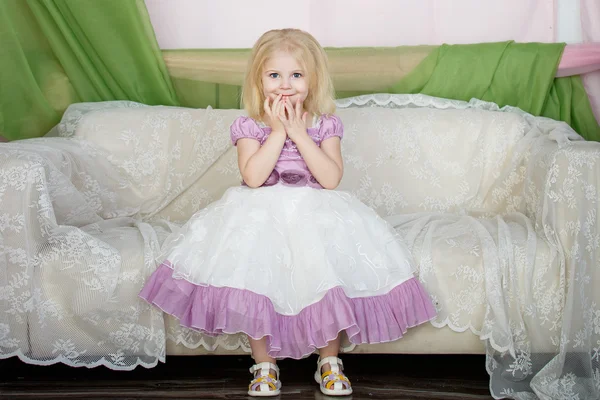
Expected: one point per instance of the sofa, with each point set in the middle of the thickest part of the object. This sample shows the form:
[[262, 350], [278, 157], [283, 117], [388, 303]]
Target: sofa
[[498, 207]]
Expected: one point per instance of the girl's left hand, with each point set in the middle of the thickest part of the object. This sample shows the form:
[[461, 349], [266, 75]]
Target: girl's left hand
[[294, 120]]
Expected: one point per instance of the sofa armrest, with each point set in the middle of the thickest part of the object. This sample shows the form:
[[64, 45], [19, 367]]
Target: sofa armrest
[[79, 183], [70, 269], [561, 191], [160, 151]]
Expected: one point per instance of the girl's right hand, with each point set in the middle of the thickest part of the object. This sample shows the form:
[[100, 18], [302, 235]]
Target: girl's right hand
[[273, 111]]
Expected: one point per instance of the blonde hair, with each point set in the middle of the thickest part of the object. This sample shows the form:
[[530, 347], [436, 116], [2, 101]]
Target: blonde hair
[[308, 52]]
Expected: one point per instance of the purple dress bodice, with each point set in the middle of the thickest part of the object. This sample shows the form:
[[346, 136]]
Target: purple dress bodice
[[290, 169]]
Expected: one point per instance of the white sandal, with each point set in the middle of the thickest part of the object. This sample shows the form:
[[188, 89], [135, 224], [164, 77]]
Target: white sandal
[[334, 382], [268, 384]]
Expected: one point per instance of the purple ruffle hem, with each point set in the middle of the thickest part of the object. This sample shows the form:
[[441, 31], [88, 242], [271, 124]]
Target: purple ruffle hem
[[217, 310]]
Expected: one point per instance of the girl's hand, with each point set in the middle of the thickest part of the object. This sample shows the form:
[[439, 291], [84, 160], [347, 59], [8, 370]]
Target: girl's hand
[[293, 120], [273, 111]]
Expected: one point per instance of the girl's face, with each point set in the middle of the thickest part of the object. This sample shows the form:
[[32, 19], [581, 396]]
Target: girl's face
[[283, 75]]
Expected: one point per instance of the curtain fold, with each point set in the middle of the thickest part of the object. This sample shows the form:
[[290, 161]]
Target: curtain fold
[[59, 52], [30, 75]]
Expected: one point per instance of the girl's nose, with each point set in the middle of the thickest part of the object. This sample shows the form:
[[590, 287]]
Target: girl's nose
[[285, 84]]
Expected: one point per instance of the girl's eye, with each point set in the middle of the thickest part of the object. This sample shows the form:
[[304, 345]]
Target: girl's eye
[[297, 75], [274, 75]]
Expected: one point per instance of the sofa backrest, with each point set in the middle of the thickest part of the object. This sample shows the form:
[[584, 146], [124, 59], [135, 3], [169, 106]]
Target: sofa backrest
[[400, 156], [159, 152], [428, 159]]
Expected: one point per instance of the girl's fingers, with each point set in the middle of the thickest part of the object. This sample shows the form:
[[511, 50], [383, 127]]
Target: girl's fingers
[[298, 108], [266, 107], [276, 102], [289, 109], [281, 109], [281, 115]]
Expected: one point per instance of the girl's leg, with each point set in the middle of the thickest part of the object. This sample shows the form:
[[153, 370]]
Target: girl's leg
[[331, 350], [260, 355], [332, 381], [259, 350]]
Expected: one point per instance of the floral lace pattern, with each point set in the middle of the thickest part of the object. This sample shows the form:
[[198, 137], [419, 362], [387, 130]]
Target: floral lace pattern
[[498, 207]]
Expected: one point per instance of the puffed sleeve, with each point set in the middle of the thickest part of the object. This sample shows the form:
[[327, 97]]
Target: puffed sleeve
[[331, 125], [245, 127]]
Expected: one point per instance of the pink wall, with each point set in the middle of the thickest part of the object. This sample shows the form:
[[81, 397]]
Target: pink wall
[[221, 24], [238, 23], [408, 22]]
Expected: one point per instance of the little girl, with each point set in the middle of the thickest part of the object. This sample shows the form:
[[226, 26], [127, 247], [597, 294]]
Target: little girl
[[284, 258]]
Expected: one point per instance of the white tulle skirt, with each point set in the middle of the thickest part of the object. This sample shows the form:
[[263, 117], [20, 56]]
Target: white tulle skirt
[[291, 244], [295, 264]]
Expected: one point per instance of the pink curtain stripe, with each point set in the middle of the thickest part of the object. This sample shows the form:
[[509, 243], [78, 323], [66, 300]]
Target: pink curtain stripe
[[579, 59]]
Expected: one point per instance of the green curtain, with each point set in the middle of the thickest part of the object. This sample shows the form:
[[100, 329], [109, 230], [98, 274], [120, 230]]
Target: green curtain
[[200, 94], [516, 74], [569, 102], [57, 52]]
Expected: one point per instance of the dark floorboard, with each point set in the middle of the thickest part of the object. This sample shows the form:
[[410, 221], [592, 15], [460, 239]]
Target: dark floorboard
[[431, 377]]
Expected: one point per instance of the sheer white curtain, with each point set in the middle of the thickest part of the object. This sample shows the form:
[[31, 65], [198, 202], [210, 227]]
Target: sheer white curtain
[[590, 30]]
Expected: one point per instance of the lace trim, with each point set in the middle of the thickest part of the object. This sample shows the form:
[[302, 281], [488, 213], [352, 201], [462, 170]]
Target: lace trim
[[104, 361]]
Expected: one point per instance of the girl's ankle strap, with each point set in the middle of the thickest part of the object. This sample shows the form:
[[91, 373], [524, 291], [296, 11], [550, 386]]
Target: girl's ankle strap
[[264, 368], [331, 361]]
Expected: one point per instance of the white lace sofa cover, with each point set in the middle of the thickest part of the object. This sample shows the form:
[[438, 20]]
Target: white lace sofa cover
[[499, 208]]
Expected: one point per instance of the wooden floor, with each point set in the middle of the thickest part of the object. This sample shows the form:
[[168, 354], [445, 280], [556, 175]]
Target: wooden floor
[[226, 377]]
